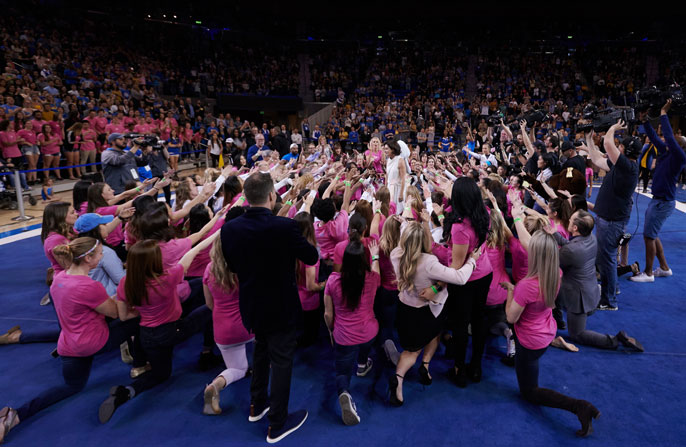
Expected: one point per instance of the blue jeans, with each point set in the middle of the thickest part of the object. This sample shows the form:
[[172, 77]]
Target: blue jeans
[[77, 370], [608, 233], [346, 360]]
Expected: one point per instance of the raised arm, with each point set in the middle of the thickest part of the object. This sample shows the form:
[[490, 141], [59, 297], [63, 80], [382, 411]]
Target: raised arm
[[527, 141], [609, 141], [187, 259]]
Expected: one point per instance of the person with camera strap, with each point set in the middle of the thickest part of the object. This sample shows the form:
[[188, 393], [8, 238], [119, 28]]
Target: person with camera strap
[[119, 163], [670, 161], [613, 205]]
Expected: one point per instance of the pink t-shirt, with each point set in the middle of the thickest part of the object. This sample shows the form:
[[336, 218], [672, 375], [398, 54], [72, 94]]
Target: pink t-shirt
[[463, 234], [172, 252], [99, 124], [309, 300], [560, 229], [88, 138], [83, 208], [129, 238], [376, 157], [520, 259], [388, 280], [52, 148], [339, 250], [116, 236], [331, 233], [83, 330], [443, 253], [10, 148], [52, 241], [163, 304], [536, 326], [202, 259], [226, 315], [496, 294], [28, 135], [114, 128], [359, 325]]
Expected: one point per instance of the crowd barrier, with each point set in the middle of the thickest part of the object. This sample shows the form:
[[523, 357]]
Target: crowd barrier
[[22, 217]]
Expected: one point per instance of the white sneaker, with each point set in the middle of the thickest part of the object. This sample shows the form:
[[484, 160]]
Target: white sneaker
[[348, 409], [662, 273], [511, 348], [364, 368], [642, 277]]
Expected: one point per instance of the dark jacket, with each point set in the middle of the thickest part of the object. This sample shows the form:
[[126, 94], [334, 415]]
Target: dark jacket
[[280, 144], [118, 167], [262, 249], [579, 291]]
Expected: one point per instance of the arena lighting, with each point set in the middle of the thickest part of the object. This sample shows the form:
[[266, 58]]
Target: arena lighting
[[148, 15], [164, 15], [198, 22], [380, 37], [174, 16], [569, 37]]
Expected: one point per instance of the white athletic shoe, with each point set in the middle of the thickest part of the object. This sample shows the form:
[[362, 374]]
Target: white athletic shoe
[[348, 409], [662, 273], [642, 277]]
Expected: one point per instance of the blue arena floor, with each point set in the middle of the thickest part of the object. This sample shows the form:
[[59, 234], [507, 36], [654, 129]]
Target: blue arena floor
[[641, 396]]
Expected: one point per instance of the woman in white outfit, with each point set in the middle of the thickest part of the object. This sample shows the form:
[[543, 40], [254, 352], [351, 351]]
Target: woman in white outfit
[[395, 172]]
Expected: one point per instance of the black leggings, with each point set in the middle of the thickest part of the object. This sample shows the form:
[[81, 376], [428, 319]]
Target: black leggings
[[468, 306], [645, 176], [526, 366]]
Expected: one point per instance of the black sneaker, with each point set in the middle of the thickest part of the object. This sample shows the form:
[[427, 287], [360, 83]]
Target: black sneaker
[[293, 422], [607, 307], [629, 342], [257, 412], [118, 396]]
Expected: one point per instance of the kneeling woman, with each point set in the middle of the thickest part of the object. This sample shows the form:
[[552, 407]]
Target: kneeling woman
[[530, 308], [420, 320], [150, 291], [82, 305], [349, 315]]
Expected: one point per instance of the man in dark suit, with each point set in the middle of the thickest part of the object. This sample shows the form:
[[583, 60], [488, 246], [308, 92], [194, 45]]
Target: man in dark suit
[[262, 249], [579, 293]]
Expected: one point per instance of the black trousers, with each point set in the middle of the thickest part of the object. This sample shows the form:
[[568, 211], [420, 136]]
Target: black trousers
[[526, 366], [468, 306], [273, 354]]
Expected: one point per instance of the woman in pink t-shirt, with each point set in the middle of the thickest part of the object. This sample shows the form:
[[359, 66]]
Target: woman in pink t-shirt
[[221, 296], [50, 143], [497, 239], [529, 307], [309, 288], [466, 227], [9, 142], [81, 304], [57, 229], [150, 291], [374, 155], [30, 149], [349, 315]]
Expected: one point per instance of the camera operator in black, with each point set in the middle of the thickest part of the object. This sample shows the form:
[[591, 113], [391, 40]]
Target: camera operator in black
[[613, 205], [156, 156], [573, 159]]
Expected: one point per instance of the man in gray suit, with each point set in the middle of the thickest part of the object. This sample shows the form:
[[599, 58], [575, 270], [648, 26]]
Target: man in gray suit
[[579, 292]]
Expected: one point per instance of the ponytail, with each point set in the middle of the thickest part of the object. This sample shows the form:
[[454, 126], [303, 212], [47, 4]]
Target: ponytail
[[76, 251]]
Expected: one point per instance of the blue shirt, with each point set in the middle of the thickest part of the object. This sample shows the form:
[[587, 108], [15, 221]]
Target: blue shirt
[[252, 151], [670, 160], [289, 156]]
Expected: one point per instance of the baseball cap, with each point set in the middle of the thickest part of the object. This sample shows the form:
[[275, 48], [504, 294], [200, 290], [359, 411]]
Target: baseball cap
[[88, 221], [567, 146], [114, 136], [229, 140], [293, 145]]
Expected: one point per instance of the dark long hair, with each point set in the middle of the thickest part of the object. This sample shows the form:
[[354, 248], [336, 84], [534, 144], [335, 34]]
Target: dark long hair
[[80, 193], [198, 218], [155, 224], [143, 263], [467, 203], [54, 220], [353, 273], [357, 226], [306, 224], [95, 199], [232, 187]]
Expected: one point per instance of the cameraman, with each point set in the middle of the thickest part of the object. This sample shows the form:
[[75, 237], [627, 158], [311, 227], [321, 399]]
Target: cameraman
[[670, 161], [156, 156], [613, 205], [119, 163]]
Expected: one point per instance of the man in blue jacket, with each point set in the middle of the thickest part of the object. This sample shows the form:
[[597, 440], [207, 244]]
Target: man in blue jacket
[[670, 161], [262, 249]]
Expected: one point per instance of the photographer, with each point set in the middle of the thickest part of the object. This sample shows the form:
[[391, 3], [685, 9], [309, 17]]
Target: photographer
[[156, 156], [613, 205], [670, 161], [119, 163]]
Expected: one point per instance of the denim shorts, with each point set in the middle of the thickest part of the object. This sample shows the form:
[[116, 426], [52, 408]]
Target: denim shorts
[[658, 211], [28, 150]]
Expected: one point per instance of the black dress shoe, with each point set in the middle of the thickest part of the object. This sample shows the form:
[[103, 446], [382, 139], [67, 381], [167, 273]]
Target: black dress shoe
[[629, 342], [392, 387], [459, 378], [474, 373]]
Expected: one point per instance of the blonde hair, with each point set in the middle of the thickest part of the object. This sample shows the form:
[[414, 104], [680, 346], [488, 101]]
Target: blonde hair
[[417, 203], [224, 277], [75, 252], [302, 181], [413, 243], [390, 234], [211, 175], [544, 263], [497, 234], [535, 223]]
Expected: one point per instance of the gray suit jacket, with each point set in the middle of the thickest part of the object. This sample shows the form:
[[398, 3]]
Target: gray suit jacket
[[579, 291]]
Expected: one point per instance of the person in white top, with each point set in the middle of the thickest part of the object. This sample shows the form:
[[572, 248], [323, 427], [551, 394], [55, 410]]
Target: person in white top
[[419, 316], [396, 171]]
